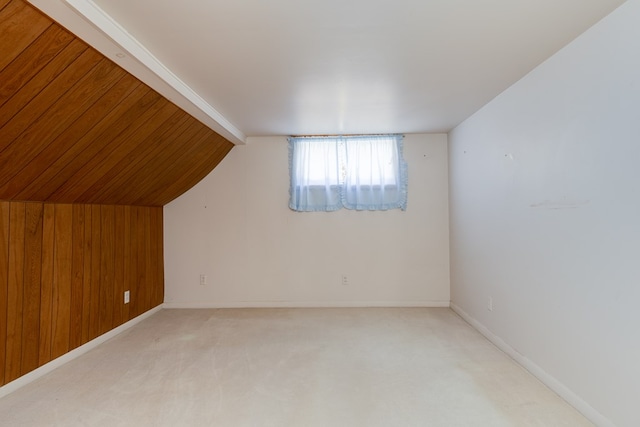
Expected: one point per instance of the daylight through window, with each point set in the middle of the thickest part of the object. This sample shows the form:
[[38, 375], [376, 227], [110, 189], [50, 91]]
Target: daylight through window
[[355, 172]]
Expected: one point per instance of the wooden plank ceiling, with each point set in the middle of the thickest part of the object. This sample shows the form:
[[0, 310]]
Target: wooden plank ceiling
[[77, 128]]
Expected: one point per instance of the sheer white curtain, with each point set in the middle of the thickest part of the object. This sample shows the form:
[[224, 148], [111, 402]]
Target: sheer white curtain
[[358, 172]]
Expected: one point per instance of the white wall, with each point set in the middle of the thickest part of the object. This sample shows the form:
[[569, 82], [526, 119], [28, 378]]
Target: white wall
[[545, 219], [235, 226]]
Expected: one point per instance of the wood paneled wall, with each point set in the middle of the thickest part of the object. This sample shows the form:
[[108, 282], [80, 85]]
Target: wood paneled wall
[[88, 155], [63, 272], [77, 128]]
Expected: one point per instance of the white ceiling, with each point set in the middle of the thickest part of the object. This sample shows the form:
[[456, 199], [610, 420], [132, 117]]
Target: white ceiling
[[282, 67]]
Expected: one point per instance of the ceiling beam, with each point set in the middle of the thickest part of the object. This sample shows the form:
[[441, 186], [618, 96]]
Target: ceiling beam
[[85, 19]]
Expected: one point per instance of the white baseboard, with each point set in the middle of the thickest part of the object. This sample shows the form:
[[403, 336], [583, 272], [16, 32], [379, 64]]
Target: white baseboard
[[560, 389], [306, 304], [67, 357]]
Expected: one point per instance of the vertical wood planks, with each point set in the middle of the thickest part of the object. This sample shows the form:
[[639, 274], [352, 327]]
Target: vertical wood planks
[[63, 271], [141, 278], [155, 245], [94, 303], [78, 129], [118, 267], [107, 264], [61, 281], [15, 291], [4, 277], [127, 261], [77, 277], [46, 286], [31, 293], [160, 255], [149, 273], [134, 264], [86, 279]]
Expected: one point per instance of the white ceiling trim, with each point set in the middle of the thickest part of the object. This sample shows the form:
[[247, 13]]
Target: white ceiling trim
[[89, 22]]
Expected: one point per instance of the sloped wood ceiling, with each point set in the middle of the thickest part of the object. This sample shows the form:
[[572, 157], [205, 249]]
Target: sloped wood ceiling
[[76, 128]]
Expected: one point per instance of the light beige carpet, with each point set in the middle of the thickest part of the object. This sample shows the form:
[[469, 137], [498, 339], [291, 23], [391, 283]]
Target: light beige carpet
[[292, 367]]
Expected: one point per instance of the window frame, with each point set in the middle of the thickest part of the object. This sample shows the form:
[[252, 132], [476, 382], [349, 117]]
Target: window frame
[[339, 189]]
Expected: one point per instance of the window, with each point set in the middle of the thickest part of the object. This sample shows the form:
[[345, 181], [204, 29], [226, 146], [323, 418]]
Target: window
[[355, 172]]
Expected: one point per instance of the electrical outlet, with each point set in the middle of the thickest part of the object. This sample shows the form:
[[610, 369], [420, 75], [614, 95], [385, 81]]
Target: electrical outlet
[[345, 281], [126, 297], [490, 304], [203, 279]]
